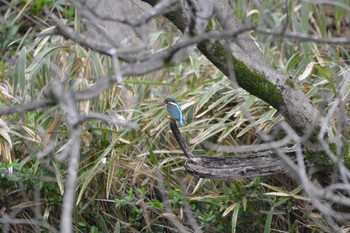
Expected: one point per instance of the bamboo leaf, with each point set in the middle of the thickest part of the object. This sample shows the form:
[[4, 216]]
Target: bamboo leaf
[[267, 228], [235, 218]]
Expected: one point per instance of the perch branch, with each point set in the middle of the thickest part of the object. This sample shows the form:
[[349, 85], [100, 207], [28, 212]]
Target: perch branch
[[236, 167], [180, 140]]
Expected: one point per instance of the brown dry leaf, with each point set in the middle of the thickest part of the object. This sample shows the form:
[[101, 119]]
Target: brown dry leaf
[[229, 209]]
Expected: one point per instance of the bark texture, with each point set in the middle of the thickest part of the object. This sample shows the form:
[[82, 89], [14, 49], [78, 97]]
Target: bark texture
[[227, 168], [234, 167]]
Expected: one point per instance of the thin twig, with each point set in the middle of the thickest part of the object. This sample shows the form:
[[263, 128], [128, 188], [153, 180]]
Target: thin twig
[[68, 106], [109, 119], [7, 220], [27, 106]]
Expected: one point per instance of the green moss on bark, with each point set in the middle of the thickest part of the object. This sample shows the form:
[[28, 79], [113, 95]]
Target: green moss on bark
[[209, 26], [346, 155], [256, 84], [213, 24], [290, 82], [248, 79]]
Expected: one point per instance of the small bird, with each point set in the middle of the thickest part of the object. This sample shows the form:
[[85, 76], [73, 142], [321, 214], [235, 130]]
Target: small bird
[[173, 110]]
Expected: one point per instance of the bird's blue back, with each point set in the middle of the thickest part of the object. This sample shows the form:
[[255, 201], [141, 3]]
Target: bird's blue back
[[175, 112]]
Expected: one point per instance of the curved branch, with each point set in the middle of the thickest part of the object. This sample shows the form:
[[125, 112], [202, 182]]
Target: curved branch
[[27, 106], [238, 167], [235, 167], [180, 139]]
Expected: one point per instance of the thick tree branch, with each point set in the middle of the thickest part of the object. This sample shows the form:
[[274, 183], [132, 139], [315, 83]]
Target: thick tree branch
[[233, 167], [238, 167], [273, 87]]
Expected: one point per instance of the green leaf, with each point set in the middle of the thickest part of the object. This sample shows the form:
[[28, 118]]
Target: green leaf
[[19, 73], [94, 229], [235, 217], [327, 77], [244, 202], [117, 227], [267, 228], [38, 60]]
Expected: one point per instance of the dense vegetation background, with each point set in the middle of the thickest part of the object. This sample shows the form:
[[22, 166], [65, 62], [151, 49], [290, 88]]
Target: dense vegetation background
[[121, 166]]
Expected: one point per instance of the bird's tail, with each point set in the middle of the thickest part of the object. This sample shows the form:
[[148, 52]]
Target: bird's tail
[[181, 123]]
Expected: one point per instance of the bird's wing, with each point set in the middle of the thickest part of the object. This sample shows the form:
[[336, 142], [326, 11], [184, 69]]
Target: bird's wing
[[175, 111]]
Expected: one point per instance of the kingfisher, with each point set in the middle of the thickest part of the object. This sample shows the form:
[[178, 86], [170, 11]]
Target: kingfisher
[[173, 110]]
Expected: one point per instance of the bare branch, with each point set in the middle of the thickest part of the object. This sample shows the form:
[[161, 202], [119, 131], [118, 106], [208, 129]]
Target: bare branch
[[87, 94], [180, 139], [300, 37], [109, 119], [7, 220], [68, 106], [134, 21], [238, 167], [159, 60], [27, 106], [234, 167], [81, 39], [243, 149]]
